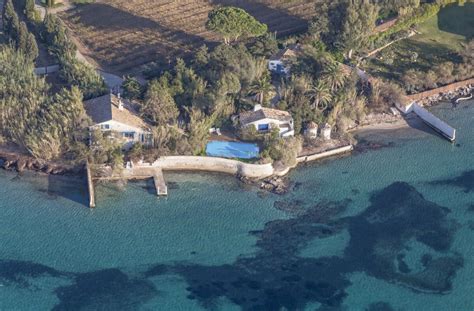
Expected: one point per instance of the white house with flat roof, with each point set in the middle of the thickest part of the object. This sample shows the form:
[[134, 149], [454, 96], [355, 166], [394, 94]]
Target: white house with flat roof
[[266, 119], [111, 113]]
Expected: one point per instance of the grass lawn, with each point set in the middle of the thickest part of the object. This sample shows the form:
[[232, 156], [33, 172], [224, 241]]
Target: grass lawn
[[449, 28], [439, 39]]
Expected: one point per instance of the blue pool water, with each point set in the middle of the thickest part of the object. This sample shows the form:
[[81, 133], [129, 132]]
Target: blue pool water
[[228, 149]]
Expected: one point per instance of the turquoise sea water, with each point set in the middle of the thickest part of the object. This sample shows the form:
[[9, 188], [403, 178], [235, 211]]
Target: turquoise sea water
[[384, 229]]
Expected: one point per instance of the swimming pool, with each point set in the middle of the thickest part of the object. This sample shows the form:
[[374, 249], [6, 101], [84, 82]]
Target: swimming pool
[[228, 149]]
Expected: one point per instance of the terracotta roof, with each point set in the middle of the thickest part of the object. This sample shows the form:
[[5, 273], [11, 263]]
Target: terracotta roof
[[327, 126], [264, 113], [312, 125], [106, 108], [291, 51]]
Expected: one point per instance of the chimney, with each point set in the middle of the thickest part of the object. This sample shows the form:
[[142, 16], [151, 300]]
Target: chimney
[[120, 103]]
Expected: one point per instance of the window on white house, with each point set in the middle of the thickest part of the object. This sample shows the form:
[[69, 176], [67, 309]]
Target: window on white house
[[130, 135], [263, 127], [105, 126]]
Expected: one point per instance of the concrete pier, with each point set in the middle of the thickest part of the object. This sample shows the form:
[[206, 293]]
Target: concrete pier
[[147, 172], [430, 119], [90, 186], [160, 184], [435, 123]]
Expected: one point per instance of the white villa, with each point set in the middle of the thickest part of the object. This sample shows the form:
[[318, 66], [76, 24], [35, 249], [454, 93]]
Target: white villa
[[113, 114], [281, 62], [265, 119]]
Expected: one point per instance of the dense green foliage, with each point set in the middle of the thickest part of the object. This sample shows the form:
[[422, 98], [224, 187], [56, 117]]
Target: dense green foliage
[[17, 32], [44, 125], [209, 90], [188, 100], [73, 71], [131, 88], [234, 23]]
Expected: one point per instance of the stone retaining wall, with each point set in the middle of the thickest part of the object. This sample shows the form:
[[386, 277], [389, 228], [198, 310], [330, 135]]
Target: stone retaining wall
[[444, 89], [45, 70], [212, 164]]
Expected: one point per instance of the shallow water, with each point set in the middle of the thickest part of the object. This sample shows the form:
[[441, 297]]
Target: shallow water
[[385, 229]]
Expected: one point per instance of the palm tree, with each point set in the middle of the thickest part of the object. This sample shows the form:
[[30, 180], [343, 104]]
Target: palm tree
[[320, 94], [334, 76], [261, 87]]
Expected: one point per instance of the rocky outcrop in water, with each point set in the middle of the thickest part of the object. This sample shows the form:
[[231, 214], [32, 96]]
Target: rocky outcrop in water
[[277, 185], [274, 184]]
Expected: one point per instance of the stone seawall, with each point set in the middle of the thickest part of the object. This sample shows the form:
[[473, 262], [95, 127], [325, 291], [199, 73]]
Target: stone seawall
[[325, 154], [211, 164], [444, 89]]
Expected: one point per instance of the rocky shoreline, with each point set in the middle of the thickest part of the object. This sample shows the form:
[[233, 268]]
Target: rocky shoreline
[[451, 96], [18, 162]]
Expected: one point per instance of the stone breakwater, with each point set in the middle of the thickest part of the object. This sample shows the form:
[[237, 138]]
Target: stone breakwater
[[446, 93]]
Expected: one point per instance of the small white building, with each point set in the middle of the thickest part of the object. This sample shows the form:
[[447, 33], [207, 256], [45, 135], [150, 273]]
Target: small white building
[[312, 130], [266, 119], [326, 132], [280, 63], [113, 114]]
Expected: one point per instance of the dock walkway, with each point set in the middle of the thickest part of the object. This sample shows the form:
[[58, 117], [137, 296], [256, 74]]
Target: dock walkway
[[435, 123], [160, 184], [145, 172]]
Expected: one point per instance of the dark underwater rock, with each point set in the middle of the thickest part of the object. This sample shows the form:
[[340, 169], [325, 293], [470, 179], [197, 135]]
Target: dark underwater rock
[[464, 181]]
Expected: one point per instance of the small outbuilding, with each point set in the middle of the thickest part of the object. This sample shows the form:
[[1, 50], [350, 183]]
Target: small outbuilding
[[312, 130], [326, 132]]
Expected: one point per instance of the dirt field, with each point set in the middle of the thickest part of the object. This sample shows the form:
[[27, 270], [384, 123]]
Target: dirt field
[[122, 35]]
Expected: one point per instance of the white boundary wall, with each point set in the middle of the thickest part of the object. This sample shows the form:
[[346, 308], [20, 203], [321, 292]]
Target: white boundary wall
[[325, 154]]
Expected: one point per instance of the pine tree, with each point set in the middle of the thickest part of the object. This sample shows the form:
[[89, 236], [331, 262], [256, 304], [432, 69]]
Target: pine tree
[[30, 10], [11, 23], [31, 48], [22, 38]]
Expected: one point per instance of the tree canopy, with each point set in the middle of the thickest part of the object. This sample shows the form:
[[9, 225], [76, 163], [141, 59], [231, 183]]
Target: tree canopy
[[17, 32], [233, 23], [46, 126]]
